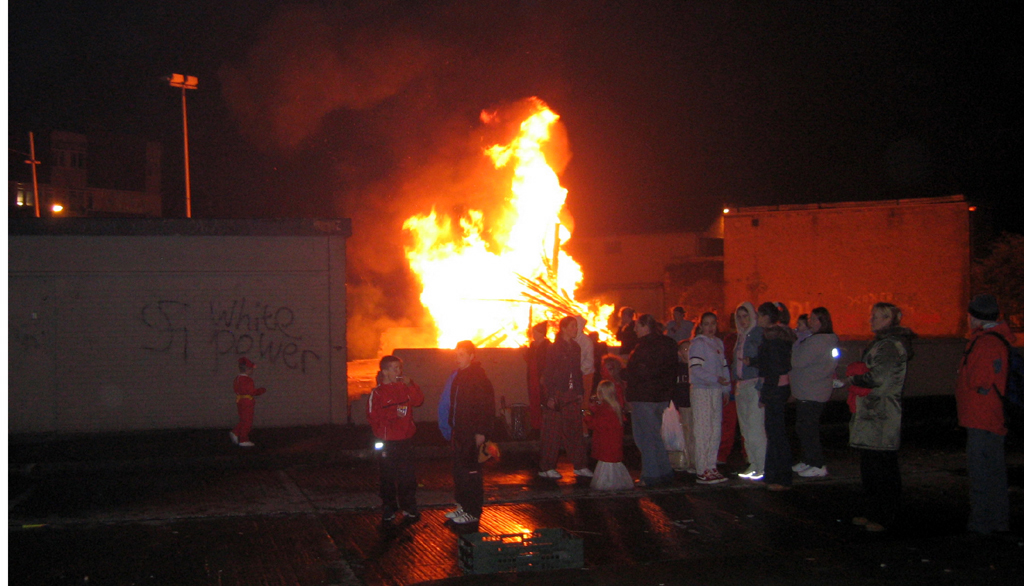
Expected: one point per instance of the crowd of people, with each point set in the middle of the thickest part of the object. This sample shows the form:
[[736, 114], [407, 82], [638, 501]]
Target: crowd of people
[[706, 382]]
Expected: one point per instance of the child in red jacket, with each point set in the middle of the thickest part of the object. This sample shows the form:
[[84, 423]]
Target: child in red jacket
[[245, 397], [605, 420], [390, 413]]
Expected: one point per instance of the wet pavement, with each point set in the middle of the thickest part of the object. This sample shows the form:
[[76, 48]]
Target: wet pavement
[[190, 508]]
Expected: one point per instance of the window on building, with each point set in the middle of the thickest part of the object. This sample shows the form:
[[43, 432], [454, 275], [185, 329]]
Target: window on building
[[24, 197]]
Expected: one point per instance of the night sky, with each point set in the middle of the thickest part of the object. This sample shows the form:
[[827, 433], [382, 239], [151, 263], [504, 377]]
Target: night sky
[[371, 110]]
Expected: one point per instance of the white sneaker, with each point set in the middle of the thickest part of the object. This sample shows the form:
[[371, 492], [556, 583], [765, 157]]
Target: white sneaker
[[455, 513], [465, 519], [550, 474], [247, 445], [584, 472], [752, 473], [234, 438], [814, 472], [800, 467]]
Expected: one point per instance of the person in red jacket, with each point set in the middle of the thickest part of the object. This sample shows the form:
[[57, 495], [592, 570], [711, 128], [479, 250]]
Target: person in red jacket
[[245, 397], [605, 420], [980, 382], [389, 410]]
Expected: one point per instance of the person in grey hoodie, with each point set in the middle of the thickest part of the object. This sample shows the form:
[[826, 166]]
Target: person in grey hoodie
[[814, 366], [749, 411]]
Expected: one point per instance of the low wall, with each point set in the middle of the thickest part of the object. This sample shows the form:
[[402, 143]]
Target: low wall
[[931, 372]]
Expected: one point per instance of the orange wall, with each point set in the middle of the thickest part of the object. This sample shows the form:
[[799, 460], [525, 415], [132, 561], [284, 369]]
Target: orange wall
[[915, 255]]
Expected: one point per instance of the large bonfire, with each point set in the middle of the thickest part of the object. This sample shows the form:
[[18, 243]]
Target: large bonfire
[[493, 290]]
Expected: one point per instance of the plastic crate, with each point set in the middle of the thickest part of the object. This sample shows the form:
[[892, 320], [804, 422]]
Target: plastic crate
[[544, 549]]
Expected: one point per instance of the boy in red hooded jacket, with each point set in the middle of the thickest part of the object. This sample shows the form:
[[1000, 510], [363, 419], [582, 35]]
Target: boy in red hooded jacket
[[390, 413], [245, 397]]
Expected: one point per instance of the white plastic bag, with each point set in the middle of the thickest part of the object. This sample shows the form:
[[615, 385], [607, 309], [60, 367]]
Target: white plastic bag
[[672, 429]]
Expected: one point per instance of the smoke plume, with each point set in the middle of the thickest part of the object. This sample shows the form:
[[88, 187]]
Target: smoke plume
[[390, 97]]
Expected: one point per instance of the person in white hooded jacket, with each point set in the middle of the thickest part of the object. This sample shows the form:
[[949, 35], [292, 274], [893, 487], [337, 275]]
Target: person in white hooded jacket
[[586, 354], [814, 364], [749, 410]]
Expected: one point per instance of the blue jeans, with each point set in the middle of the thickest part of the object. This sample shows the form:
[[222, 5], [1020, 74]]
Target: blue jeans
[[986, 470], [655, 467]]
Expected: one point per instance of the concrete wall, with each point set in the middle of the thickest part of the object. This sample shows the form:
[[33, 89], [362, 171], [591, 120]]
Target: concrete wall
[[846, 257], [931, 372], [138, 324]]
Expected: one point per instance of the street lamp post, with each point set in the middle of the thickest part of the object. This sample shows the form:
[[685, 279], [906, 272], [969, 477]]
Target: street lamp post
[[32, 161], [185, 82]]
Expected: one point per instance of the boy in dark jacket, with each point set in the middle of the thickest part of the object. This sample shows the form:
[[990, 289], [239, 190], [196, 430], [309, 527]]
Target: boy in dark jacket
[[470, 416], [389, 410], [773, 361], [562, 395]]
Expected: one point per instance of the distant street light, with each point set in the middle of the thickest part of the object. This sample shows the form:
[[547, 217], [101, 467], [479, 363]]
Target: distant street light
[[185, 82]]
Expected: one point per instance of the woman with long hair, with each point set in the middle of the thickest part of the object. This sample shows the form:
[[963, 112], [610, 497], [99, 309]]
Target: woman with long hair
[[814, 369]]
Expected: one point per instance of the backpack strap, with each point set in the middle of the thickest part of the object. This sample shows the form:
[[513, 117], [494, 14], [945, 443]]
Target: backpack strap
[[970, 347]]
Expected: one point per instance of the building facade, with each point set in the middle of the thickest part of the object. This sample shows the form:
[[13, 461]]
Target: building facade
[[97, 175], [915, 253]]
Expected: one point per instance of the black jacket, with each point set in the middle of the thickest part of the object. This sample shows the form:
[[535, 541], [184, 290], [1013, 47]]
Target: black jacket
[[562, 365], [651, 372], [774, 357], [472, 403]]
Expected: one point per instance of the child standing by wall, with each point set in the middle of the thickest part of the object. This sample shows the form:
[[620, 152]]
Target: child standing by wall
[[245, 397], [605, 420], [389, 410]]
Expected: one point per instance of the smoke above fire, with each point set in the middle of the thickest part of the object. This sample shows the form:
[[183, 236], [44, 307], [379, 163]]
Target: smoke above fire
[[395, 99], [308, 63]]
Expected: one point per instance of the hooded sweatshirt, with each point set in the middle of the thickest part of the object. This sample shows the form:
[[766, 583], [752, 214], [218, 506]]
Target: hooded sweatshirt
[[747, 343], [586, 346], [814, 366], [707, 363]]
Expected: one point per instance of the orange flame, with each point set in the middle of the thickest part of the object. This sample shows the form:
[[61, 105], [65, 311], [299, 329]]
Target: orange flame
[[470, 285]]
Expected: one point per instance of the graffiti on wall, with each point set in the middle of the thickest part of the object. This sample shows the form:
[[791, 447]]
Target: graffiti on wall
[[851, 312], [229, 329], [169, 322]]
